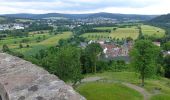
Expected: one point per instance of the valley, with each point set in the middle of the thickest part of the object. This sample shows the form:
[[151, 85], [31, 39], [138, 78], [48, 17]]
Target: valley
[[103, 56]]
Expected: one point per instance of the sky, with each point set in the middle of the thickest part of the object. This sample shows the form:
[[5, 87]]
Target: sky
[[147, 7]]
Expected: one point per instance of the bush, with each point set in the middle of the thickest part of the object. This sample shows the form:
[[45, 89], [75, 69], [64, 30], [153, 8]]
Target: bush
[[5, 48]]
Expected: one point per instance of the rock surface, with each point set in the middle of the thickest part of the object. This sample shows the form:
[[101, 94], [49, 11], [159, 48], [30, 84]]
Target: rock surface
[[23, 80]]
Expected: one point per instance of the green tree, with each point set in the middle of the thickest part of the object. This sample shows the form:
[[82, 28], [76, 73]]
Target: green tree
[[93, 51], [20, 45], [5, 48], [167, 66], [65, 63], [166, 46], [144, 56]]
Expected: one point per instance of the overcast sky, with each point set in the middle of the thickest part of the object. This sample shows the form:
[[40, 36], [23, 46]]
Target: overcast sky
[[85, 6]]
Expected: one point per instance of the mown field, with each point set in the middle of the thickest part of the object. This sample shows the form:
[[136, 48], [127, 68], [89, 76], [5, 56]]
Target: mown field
[[108, 91], [152, 31], [119, 33], [159, 88]]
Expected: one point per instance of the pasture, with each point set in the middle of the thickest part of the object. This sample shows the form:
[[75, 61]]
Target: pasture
[[152, 31]]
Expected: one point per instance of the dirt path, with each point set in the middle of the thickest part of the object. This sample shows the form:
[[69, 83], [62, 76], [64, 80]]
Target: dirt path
[[146, 95], [91, 79]]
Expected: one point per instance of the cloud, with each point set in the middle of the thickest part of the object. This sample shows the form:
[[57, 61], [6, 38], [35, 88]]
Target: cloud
[[85, 6]]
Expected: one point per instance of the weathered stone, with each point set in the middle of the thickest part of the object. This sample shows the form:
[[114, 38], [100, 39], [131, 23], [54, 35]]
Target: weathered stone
[[23, 80]]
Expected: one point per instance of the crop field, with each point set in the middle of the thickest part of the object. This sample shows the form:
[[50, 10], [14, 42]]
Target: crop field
[[152, 31], [95, 36], [125, 32], [119, 33]]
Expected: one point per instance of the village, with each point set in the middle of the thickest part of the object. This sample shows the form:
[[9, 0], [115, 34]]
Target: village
[[12, 26], [112, 50]]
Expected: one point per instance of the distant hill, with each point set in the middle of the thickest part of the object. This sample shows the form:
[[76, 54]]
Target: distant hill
[[93, 15], [161, 19], [6, 19]]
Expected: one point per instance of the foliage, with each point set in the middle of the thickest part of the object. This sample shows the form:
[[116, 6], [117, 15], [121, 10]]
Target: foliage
[[144, 56], [117, 66], [93, 52], [5, 48], [167, 66], [63, 62], [38, 27], [166, 46]]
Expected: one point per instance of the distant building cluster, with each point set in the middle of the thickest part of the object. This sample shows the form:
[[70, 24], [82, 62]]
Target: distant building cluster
[[112, 49], [11, 26], [99, 20]]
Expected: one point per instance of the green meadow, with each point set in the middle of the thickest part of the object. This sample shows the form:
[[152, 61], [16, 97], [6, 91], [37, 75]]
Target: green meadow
[[152, 31], [36, 42]]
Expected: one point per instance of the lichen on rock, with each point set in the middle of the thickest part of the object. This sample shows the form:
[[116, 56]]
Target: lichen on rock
[[23, 80]]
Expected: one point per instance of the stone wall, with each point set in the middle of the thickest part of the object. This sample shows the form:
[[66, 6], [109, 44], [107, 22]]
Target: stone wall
[[25, 81]]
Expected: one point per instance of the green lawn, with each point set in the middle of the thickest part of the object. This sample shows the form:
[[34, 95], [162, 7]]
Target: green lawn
[[152, 31], [131, 77], [107, 91], [161, 97]]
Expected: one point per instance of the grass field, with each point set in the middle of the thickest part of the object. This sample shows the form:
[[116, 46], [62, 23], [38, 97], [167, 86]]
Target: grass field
[[47, 40], [152, 31], [35, 47], [108, 91], [119, 33], [54, 40], [133, 78], [161, 97], [125, 32]]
